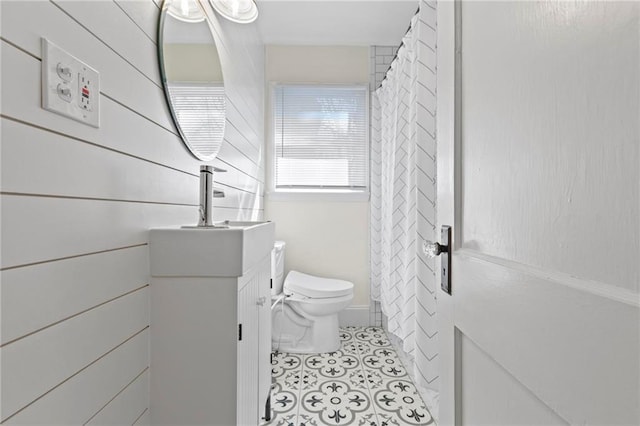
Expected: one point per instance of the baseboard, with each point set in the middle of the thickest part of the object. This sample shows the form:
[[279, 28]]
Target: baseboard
[[357, 315]]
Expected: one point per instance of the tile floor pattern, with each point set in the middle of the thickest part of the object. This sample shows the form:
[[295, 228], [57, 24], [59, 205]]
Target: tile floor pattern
[[364, 384]]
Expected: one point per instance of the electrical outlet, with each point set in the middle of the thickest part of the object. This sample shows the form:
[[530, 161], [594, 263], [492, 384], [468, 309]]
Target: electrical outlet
[[86, 91], [69, 86]]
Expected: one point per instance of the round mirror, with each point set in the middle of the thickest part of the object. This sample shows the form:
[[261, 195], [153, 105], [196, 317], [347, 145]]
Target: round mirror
[[192, 76]]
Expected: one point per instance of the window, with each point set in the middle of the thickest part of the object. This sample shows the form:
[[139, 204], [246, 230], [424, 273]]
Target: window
[[320, 139], [199, 109]]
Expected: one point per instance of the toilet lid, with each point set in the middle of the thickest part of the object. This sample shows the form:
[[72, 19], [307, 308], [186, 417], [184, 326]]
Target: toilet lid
[[316, 287]]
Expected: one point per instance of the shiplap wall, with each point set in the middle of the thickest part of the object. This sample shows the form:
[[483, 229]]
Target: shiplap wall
[[77, 203]]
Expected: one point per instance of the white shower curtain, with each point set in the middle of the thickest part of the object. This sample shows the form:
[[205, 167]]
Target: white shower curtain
[[403, 198]]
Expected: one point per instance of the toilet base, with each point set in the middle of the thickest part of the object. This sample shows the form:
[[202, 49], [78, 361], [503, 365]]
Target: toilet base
[[295, 334]]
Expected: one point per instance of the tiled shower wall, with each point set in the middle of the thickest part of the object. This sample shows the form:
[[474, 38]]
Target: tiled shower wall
[[381, 58], [77, 203]]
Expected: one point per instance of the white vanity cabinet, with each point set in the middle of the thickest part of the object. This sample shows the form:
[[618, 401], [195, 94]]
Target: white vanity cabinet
[[254, 359], [210, 333]]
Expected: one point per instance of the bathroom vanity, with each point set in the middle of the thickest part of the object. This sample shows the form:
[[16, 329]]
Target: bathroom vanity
[[210, 324]]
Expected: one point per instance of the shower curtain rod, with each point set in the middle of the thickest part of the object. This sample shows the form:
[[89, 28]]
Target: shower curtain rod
[[399, 47]]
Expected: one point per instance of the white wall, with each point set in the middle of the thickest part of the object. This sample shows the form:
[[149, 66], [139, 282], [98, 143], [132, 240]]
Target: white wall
[[191, 63], [77, 203], [324, 237]]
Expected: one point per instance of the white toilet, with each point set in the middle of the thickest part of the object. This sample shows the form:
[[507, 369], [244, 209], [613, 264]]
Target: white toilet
[[305, 308]]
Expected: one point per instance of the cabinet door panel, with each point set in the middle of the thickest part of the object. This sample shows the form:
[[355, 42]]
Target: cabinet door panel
[[247, 404]]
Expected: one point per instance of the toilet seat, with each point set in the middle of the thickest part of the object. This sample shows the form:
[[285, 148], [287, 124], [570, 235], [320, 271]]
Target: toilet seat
[[318, 300], [316, 287]]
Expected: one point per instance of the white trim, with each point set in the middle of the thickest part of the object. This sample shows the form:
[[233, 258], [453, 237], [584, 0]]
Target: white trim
[[354, 315], [318, 195], [596, 288]]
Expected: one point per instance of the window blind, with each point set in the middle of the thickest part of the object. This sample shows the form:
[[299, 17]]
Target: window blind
[[321, 137], [200, 111]]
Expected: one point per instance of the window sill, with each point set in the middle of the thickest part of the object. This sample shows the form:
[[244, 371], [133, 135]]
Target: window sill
[[309, 195]]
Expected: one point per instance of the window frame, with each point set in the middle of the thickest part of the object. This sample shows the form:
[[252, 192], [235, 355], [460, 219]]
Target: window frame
[[316, 194]]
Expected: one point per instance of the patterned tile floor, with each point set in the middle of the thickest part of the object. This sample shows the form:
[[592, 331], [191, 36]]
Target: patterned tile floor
[[364, 384]]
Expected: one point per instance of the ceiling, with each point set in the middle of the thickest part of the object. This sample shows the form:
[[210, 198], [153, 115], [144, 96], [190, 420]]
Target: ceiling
[[335, 22]]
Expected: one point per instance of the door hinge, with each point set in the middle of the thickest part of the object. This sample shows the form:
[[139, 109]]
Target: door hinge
[[239, 331]]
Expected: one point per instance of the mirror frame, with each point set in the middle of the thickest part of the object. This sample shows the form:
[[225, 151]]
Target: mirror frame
[[163, 76]]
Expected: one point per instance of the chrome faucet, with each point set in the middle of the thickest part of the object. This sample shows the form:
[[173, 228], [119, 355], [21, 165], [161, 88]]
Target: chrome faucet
[[207, 193]]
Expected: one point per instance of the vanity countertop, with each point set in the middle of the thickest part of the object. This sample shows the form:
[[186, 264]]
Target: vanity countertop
[[210, 252]]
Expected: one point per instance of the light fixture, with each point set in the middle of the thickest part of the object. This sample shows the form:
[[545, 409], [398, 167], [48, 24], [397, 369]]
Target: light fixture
[[240, 11], [185, 10]]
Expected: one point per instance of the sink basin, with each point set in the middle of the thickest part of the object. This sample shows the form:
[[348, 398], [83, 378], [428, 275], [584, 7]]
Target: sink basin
[[210, 252]]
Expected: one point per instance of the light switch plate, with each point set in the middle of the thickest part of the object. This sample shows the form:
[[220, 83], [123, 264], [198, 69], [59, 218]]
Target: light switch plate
[[69, 87]]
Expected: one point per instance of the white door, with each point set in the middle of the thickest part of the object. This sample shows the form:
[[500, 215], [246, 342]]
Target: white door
[[538, 175]]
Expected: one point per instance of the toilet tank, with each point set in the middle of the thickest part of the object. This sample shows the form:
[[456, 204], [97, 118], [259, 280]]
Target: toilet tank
[[277, 267]]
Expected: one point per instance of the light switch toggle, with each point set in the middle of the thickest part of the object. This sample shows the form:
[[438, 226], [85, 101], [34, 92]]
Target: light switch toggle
[[64, 72], [64, 92]]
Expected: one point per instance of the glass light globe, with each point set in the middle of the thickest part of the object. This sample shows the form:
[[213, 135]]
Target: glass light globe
[[186, 10], [240, 11]]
